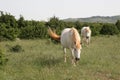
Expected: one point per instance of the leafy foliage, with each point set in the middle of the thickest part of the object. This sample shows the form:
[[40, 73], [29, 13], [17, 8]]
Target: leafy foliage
[[31, 32], [16, 48], [7, 32], [109, 29], [118, 24], [96, 27], [21, 22], [56, 24], [8, 19], [10, 28]]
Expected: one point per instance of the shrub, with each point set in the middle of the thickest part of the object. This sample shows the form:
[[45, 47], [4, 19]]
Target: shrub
[[7, 32], [118, 24], [96, 27], [109, 29], [32, 32], [16, 48], [12, 33]]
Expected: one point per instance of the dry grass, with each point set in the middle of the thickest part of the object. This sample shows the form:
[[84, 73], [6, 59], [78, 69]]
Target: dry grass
[[43, 60]]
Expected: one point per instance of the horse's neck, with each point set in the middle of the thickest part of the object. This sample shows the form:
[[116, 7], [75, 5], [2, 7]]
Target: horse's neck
[[76, 38]]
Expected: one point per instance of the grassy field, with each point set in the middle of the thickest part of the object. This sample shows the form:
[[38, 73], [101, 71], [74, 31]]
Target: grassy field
[[43, 60]]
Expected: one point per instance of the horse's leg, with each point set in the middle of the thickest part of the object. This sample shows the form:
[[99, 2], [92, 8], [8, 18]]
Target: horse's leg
[[73, 57], [84, 41], [89, 40], [64, 49]]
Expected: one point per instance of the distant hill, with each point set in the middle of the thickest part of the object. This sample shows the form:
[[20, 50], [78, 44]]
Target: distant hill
[[103, 19]]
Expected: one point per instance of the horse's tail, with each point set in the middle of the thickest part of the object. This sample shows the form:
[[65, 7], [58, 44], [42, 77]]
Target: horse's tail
[[53, 34]]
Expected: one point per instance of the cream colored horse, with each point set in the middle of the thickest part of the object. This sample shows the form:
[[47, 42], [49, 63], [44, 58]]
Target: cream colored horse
[[86, 35], [70, 39]]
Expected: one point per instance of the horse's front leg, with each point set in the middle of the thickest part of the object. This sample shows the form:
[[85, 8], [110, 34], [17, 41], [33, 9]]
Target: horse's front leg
[[89, 41], [83, 41], [64, 49], [73, 57]]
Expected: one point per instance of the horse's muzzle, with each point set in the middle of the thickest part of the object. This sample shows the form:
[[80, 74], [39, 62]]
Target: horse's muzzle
[[87, 37], [77, 59]]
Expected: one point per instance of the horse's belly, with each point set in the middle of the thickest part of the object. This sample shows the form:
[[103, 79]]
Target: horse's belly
[[66, 41], [66, 44]]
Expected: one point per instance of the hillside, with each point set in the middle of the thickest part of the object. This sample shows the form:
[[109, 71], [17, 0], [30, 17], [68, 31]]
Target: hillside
[[103, 19]]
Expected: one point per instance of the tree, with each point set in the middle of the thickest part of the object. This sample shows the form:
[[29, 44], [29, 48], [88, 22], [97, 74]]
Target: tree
[[109, 29], [78, 25], [56, 24], [21, 22], [3, 31], [53, 22], [34, 30], [8, 20], [95, 27], [118, 24]]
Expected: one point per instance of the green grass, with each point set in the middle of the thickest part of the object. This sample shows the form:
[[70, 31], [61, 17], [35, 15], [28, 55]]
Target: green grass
[[43, 60]]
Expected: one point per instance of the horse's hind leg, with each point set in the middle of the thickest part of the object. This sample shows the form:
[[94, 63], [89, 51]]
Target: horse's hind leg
[[64, 49]]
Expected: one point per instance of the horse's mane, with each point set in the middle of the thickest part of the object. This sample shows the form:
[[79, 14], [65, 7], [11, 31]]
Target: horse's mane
[[76, 37], [87, 29]]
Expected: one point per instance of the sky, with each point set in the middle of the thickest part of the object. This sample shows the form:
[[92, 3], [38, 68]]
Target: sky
[[45, 9]]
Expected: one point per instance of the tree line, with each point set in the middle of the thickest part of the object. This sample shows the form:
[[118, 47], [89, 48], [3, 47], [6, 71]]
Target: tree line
[[11, 28]]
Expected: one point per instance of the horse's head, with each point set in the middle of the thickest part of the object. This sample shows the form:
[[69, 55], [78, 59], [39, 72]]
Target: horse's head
[[77, 45], [87, 31], [77, 52]]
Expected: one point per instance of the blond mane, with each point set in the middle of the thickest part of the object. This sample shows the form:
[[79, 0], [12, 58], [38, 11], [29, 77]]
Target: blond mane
[[76, 37], [87, 29]]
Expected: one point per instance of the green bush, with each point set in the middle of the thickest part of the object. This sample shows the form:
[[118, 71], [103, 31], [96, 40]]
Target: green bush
[[95, 27], [32, 32], [109, 29], [12, 33], [7, 32], [118, 24], [16, 48]]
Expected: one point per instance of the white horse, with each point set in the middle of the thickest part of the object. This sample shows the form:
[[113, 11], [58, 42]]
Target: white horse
[[86, 34], [70, 39]]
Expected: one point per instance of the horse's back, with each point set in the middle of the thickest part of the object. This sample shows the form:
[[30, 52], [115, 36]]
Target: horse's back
[[66, 38]]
